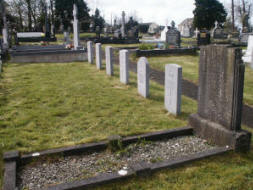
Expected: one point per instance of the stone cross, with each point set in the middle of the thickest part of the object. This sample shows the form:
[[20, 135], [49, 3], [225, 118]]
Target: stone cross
[[5, 27], [221, 81], [76, 28], [124, 66], [99, 56], [173, 88], [90, 50], [143, 77], [123, 28], [109, 60]]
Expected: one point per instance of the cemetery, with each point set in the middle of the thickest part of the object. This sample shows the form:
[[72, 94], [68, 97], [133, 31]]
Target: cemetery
[[124, 105]]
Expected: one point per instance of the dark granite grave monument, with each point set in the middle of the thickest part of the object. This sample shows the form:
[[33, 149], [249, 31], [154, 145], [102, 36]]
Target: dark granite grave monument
[[173, 37], [203, 38], [221, 81]]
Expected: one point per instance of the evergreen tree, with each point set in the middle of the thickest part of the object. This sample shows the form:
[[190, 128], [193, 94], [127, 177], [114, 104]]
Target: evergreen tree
[[207, 12]]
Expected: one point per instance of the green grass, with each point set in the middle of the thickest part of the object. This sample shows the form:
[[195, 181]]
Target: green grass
[[45, 106], [190, 71]]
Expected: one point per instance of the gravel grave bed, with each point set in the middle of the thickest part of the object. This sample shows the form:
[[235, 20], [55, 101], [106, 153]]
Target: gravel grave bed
[[46, 172]]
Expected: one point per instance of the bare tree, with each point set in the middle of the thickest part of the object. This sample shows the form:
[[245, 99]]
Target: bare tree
[[244, 11]]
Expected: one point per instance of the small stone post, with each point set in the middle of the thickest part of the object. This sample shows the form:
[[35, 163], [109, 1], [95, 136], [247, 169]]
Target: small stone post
[[143, 77], [90, 50], [124, 66], [76, 28], [173, 88], [99, 56], [109, 60]]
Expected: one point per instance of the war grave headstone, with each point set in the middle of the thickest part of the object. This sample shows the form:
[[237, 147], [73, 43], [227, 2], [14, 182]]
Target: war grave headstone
[[109, 60], [124, 66], [221, 81], [248, 54], [173, 88], [143, 77], [203, 38], [99, 56], [90, 50]]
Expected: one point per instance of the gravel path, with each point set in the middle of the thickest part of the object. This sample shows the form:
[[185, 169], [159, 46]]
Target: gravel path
[[41, 174]]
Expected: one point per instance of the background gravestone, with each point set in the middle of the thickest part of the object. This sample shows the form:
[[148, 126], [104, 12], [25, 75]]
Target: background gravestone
[[90, 52], [143, 77], [173, 37], [173, 88], [221, 80], [203, 38], [109, 60], [99, 56], [124, 66], [247, 57]]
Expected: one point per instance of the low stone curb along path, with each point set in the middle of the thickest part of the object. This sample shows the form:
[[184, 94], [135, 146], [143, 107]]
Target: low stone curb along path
[[189, 89]]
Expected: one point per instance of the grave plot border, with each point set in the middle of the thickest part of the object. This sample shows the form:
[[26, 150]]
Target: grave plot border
[[177, 51], [13, 160]]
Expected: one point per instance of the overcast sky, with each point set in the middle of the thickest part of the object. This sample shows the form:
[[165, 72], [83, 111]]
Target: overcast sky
[[159, 11]]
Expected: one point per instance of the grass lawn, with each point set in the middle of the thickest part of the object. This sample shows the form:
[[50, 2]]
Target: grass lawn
[[53, 105], [190, 71], [46, 106]]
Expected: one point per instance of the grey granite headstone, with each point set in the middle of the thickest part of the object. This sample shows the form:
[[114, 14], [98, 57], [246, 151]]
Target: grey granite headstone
[[143, 77], [66, 37], [99, 56], [173, 37], [173, 88], [109, 60], [90, 50], [124, 66], [221, 81], [76, 28]]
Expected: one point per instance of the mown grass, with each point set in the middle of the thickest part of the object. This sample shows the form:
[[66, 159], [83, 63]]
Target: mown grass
[[45, 106], [190, 66]]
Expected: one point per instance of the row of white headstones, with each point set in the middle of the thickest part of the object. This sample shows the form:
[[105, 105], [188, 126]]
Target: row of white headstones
[[173, 75]]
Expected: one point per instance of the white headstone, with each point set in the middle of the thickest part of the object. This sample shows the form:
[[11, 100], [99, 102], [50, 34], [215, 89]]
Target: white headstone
[[163, 34], [90, 50], [173, 88], [109, 60], [76, 28], [248, 57], [99, 56], [124, 66], [143, 77]]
